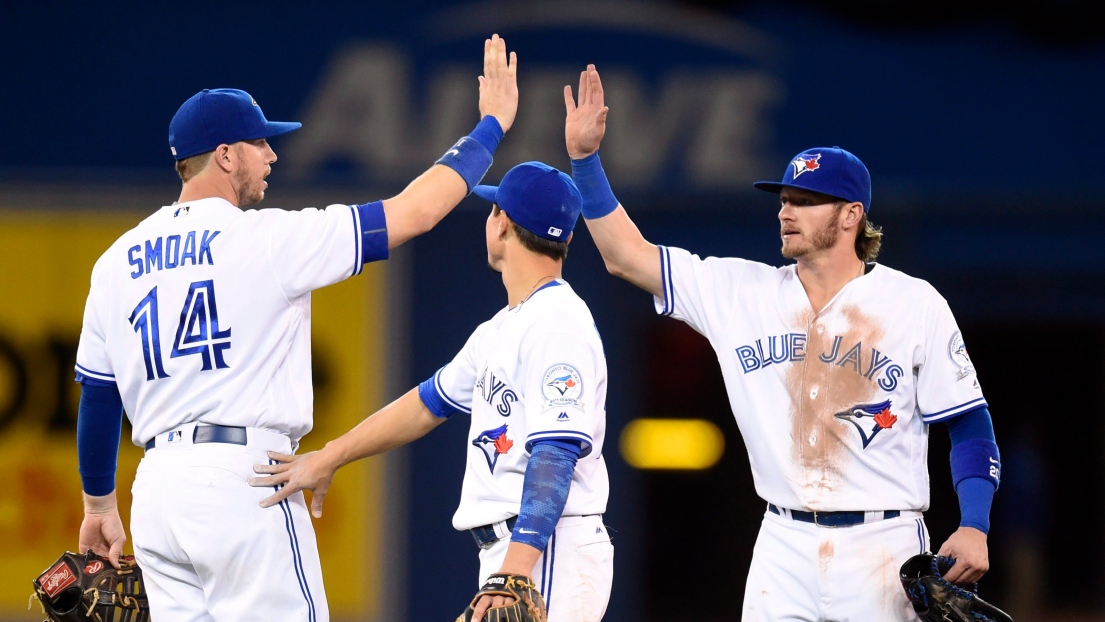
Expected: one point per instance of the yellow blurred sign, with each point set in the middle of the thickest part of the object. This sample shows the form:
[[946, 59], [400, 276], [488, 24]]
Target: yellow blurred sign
[[46, 259], [683, 444]]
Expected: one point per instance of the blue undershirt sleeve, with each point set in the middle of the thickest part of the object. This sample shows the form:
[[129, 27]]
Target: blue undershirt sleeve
[[99, 425], [976, 466], [545, 491]]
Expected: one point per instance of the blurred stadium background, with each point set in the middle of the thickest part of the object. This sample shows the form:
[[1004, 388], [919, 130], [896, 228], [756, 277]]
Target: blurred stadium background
[[981, 126]]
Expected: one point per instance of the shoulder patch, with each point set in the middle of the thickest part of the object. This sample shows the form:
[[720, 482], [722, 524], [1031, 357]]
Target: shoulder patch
[[562, 385], [958, 353]]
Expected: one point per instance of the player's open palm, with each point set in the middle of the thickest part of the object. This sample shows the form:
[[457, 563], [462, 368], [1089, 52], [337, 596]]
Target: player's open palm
[[586, 122], [499, 82], [291, 474]]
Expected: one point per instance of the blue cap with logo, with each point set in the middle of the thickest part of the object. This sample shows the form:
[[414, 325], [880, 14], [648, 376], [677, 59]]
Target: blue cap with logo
[[543, 200], [215, 117], [828, 170]]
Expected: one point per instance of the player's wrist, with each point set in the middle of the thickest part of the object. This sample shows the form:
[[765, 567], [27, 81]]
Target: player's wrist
[[576, 154], [101, 504]]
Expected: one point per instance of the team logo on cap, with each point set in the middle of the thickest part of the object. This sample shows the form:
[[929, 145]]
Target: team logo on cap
[[493, 443], [806, 163], [880, 413]]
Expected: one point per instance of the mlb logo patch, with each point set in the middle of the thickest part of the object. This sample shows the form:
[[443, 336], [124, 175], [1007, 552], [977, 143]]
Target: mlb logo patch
[[555, 232], [175, 436], [806, 163]]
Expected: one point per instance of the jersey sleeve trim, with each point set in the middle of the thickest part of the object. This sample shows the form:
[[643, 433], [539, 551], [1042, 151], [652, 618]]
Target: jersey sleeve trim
[[435, 402], [667, 305], [95, 375], [585, 441], [371, 233], [444, 396], [947, 413]]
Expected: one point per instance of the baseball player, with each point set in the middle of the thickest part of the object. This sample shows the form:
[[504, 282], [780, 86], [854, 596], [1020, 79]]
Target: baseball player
[[198, 324], [835, 367], [533, 379]]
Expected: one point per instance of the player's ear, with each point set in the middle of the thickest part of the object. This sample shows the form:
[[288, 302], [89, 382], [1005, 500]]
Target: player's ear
[[853, 213], [224, 157], [569, 240]]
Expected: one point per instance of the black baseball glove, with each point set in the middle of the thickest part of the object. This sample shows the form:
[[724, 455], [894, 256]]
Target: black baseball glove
[[87, 588], [937, 600], [528, 606]]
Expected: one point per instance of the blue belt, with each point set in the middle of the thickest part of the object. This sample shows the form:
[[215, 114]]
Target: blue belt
[[235, 435], [486, 534], [830, 519]]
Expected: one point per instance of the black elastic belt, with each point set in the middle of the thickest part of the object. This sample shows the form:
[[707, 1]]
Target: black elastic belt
[[211, 433], [486, 534], [830, 519]]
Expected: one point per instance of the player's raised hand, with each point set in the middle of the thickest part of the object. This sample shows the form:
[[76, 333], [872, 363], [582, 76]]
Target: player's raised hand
[[499, 82], [968, 547], [291, 474], [102, 529], [586, 122]]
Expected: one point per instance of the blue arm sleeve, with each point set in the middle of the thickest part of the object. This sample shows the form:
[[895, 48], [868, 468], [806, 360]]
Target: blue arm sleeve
[[976, 466], [544, 492], [99, 424]]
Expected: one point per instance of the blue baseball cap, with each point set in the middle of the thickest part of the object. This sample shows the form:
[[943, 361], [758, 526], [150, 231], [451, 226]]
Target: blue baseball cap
[[215, 117], [828, 170], [538, 197]]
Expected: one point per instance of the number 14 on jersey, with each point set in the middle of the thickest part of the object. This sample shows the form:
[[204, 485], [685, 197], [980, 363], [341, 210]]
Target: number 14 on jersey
[[197, 332]]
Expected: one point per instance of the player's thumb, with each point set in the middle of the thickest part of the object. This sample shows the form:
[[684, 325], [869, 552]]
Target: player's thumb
[[316, 504], [115, 551]]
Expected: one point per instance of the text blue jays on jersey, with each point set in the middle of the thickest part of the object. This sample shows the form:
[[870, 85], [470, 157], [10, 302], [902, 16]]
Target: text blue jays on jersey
[[791, 347]]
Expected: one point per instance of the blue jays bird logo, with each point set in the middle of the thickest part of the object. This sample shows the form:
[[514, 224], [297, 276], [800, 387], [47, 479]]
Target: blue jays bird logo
[[493, 443], [562, 386], [881, 414], [806, 163], [562, 383]]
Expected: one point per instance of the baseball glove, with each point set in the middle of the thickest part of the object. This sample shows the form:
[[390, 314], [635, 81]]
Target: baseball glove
[[528, 606], [87, 588], [937, 600]]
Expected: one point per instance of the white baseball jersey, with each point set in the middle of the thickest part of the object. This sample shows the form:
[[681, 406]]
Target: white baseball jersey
[[203, 311], [833, 406], [533, 372]]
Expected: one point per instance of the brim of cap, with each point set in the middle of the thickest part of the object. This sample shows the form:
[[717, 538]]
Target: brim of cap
[[487, 193], [772, 186], [276, 128]]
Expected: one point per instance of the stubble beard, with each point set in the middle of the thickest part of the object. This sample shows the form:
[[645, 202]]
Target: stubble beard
[[250, 191], [820, 240]]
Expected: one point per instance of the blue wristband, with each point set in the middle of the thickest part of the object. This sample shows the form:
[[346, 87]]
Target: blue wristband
[[976, 457], [472, 155], [976, 495], [598, 198]]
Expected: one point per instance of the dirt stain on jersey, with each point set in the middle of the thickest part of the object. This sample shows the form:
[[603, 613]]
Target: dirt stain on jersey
[[819, 389]]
